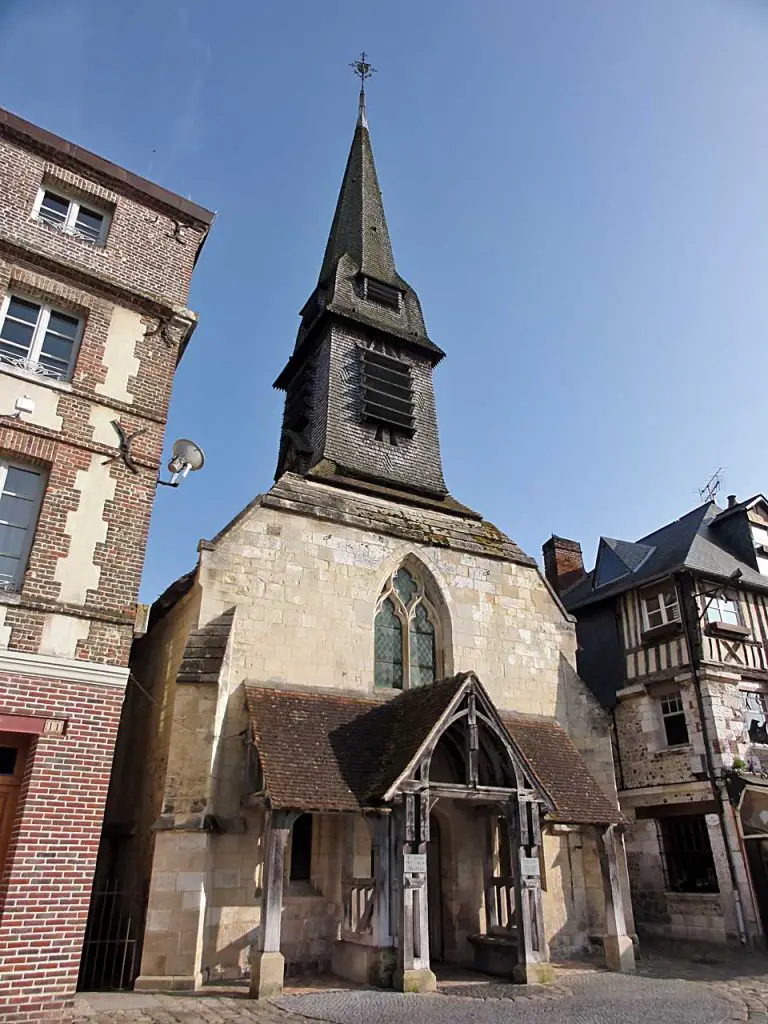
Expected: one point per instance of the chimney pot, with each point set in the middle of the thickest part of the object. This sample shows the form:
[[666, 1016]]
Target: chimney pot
[[732, 500], [563, 562]]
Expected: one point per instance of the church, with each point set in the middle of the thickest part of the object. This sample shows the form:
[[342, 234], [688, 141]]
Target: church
[[364, 746]]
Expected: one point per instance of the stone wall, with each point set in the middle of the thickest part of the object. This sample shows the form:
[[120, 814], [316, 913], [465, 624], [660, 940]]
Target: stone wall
[[646, 759], [304, 592]]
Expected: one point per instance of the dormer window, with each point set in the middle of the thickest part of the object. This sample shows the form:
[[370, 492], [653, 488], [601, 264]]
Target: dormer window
[[387, 391], [760, 540], [381, 293]]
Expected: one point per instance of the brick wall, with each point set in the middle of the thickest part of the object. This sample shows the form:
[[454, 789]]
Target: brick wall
[[77, 600], [145, 251], [46, 886]]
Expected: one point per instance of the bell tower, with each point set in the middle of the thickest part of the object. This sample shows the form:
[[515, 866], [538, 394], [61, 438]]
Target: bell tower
[[359, 398]]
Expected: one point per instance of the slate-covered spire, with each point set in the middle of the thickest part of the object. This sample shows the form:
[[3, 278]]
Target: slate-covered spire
[[359, 404], [359, 227]]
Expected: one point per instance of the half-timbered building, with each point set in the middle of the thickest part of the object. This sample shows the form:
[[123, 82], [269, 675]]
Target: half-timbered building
[[363, 745], [673, 635]]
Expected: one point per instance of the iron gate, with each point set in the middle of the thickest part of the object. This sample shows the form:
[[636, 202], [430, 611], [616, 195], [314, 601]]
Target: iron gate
[[110, 958]]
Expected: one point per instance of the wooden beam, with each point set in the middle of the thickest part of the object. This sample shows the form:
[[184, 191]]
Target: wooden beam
[[275, 839]]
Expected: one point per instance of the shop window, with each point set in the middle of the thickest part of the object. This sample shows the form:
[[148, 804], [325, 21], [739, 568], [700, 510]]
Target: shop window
[[687, 854]]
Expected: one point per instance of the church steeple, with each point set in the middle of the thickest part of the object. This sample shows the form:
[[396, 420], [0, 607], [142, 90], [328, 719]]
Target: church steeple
[[359, 229], [359, 396]]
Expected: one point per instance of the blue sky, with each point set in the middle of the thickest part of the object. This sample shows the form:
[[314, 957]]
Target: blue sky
[[578, 190]]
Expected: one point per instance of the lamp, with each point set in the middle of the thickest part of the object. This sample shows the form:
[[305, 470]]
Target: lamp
[[187, 456]]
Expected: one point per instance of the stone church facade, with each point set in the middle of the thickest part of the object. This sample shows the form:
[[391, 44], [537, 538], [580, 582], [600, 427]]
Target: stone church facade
[[367, 748]]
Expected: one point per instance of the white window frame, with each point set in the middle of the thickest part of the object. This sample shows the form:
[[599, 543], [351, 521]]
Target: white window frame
[[32, 362], [762, 699], [666, 610], [724, 609], [675, 697], [15, 585], [760, 541], [69, 226]]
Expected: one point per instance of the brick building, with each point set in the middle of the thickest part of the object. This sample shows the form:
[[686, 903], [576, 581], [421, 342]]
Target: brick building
[[673, 641], [95, 267], [368, 747]]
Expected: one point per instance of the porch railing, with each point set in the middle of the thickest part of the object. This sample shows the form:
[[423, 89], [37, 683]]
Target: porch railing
[[500, 897], [358, 907]]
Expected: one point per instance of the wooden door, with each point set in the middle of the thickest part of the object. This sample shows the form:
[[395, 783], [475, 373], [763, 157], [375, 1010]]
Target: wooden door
[[13, 750]]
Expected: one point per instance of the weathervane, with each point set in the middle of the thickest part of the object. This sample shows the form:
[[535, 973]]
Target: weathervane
[[363, 69]]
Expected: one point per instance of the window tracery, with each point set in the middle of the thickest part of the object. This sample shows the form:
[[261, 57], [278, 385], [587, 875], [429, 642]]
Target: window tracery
[[405, 635]]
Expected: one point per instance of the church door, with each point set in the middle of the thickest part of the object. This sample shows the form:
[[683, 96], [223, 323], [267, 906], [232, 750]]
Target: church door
[[435, 891], [13, 749]]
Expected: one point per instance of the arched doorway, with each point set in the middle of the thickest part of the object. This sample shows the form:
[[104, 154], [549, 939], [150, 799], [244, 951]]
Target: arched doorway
[[435, 891]]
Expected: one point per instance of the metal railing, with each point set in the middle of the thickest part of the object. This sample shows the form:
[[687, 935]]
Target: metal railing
[[110, 951]]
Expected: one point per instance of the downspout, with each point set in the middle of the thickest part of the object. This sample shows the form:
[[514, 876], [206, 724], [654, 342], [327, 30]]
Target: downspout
[[694, 658], [617, 750]]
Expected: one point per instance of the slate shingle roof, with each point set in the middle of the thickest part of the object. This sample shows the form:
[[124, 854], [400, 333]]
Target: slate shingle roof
[[335, 752], [691, 542], [631, 554]]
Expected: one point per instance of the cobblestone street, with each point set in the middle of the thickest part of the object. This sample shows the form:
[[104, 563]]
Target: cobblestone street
[[689, 987]]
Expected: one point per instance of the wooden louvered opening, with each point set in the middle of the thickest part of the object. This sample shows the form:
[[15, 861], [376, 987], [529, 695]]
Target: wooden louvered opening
[[298, 400], [387, 391], [384, 294]]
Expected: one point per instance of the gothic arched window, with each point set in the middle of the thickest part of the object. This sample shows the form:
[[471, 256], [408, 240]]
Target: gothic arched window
[[405, 642]]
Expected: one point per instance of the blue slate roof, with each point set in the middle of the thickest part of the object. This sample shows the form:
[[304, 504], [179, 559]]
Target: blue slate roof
[[695, 541]]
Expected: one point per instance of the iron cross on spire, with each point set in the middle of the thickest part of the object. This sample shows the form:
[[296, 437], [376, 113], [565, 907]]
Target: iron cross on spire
[[363, 69]]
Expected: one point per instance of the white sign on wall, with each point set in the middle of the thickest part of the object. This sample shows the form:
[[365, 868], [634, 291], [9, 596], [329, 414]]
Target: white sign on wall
[[415, 863], [530, 866]]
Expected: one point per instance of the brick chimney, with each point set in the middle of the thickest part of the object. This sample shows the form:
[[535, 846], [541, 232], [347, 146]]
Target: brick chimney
[[563, 562]]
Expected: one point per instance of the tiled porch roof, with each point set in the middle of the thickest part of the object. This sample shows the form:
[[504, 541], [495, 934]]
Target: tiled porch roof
[[561, 770], [326, 751]]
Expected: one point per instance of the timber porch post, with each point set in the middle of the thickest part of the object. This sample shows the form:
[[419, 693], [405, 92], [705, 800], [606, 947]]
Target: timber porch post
[[268, 964], [525, 836], [619, 950], [381, 841], [411, 838]]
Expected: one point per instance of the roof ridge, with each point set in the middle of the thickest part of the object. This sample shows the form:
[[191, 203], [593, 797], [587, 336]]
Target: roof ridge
[[701, 509]]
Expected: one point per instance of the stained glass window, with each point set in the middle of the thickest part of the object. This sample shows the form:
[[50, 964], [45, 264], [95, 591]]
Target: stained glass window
[[422, 637], [405, 636], [405, 585], [388, 647]]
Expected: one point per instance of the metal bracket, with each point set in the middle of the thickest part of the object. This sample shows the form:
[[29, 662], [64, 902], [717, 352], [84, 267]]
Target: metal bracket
[[163, 329], [124, 451]]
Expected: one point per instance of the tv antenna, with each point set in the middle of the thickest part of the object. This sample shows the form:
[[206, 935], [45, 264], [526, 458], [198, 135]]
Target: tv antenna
[[712, 486]]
